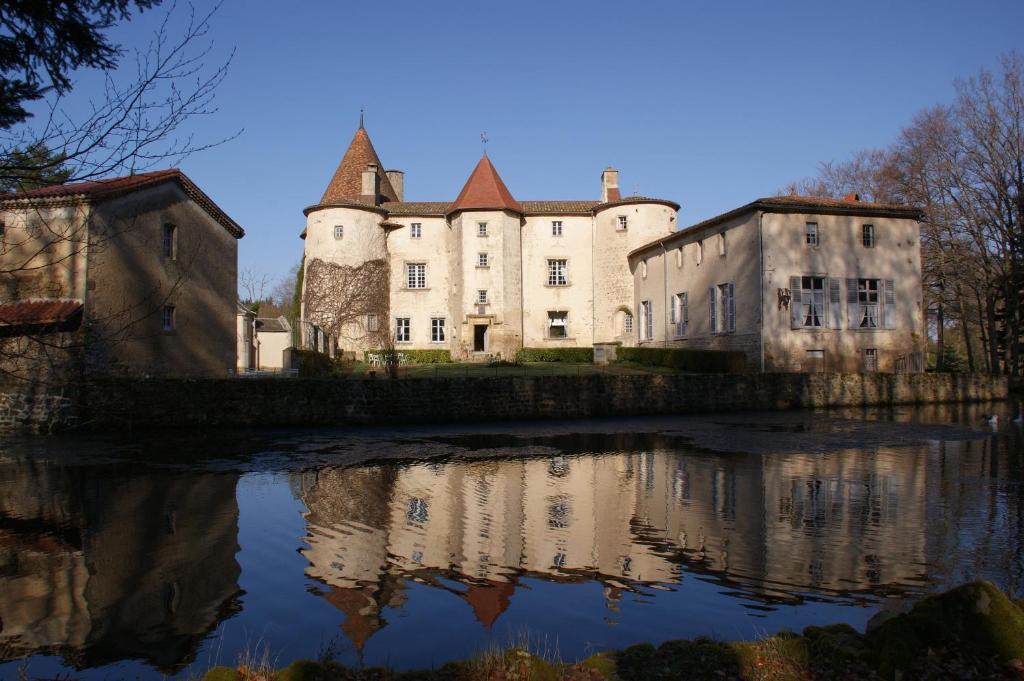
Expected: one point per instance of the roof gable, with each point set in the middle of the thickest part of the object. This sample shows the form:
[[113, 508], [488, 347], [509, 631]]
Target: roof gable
[[484, 190], [95, 191]]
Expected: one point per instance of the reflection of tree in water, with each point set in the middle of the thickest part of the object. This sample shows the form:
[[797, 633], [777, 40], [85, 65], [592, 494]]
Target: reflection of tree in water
[[101, 564], [773, 529]]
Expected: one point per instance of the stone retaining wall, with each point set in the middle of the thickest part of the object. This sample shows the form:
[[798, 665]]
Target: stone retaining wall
[[302, 402]]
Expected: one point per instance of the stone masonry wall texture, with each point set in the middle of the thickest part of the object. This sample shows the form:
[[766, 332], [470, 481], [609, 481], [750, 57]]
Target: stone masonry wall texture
[[175, 403]]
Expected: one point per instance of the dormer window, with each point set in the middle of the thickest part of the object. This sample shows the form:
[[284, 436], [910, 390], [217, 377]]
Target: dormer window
[[623, 223], [481, 229], [339, 231]]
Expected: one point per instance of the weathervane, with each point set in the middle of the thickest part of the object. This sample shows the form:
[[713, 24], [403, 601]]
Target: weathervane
[[360, 118], [484, 140]]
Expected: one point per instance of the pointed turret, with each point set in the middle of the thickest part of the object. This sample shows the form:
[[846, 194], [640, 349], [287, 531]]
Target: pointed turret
[[484, 190], [360, 176]]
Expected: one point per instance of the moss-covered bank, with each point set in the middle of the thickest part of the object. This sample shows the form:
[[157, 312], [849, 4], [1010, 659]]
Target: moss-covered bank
[[972, 631]]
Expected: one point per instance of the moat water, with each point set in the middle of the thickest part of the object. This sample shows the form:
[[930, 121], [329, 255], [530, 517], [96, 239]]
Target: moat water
[[155, 555]]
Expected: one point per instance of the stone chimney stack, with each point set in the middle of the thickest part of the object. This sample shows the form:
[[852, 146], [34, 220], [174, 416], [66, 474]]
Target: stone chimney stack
[[397, 180], [610, 185], [370, 191]]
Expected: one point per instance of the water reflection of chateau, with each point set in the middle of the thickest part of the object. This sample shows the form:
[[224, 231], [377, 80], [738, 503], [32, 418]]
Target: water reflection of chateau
[[766, 524], [97, 564]]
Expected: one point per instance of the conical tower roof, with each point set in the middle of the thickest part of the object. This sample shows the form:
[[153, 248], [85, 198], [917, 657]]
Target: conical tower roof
[[484, 190], [347, 183]]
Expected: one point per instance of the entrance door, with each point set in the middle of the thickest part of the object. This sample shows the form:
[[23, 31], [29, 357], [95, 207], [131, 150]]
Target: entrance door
[[479, 337]]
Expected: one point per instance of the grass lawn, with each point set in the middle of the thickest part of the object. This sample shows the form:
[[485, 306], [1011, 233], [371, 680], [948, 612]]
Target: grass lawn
[[466, 369]]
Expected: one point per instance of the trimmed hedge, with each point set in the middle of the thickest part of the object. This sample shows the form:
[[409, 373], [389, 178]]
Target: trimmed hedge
[[419, 356], [572, 355], [697, 361], [313, 364]]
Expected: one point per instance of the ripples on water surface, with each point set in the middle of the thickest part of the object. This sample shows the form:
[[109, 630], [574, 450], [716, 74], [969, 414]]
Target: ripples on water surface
[[414, 547]]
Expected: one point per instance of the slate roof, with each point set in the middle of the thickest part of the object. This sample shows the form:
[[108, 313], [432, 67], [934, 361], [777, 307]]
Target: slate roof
[[484, 190], [347, 182], [95, 191], [272, 325], [40, 315]]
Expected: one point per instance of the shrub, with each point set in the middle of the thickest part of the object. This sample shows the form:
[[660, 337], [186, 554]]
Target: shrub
[[419, 356], [684, 359], [572, 355], [313, 364]]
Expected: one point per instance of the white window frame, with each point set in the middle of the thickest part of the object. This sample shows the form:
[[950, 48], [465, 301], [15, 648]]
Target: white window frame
[[556, 228], [869, 303], [813, 300], [481, 229], [680, 316], [416, 230], [482, 298], [621, 223], [811, 235], [558, 319], [403, 330], [558, 272], [416, 275], [722, 308], [646, 320], [627, 323], [339, 232], [482, 259], [437, 330], [867, 235]]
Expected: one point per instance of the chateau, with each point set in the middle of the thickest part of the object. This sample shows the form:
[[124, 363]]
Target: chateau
[[795, 283], [481, 276]]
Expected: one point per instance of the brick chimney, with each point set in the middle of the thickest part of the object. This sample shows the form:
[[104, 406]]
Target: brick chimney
[[610, 185]]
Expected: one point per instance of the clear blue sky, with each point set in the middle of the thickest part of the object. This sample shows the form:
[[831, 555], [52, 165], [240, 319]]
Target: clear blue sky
[[710, 106]]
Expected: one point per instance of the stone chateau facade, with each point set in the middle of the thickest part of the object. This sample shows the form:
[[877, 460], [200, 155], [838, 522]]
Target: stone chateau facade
[[483, 275]]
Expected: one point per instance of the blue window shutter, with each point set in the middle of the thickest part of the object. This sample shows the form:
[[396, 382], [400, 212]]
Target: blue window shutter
[[732, 307], [889, 308], [852, 307], [835, 299]]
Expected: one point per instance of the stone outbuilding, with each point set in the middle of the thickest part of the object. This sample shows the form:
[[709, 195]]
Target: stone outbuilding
[[142, 270]]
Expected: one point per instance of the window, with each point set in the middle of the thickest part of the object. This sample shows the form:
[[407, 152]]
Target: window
[[867, 300], [437, 330], [643, 269], [812, 302], [811, 234], [556, 273], [556, 228], [814, 361], [339, 231], [418, 511], [700, 252], [867, 236], [481, 297], [168, 318], [627, 323], [721, 244], [481, 260], [170, 241], [681, 313], [416, 230], [623, 223], [722, 308], [481, 229], [679, 257], [558, 324], [871, 360], [403, 333], [416, 275], [646, 320], [372, 323]]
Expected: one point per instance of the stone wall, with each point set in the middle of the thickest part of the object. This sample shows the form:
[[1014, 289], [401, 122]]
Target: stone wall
[[120, 403], [36, 409]]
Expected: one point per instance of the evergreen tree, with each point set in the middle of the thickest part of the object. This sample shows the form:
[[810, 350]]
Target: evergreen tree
[[30, 168]]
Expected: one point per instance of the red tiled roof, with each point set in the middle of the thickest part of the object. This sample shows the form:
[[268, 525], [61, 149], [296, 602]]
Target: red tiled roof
[[100, 190], [347, 183], [484, 190], [55, 314]]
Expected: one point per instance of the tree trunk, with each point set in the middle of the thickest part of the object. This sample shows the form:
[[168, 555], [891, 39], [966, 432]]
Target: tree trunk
[[940, 323], [993, 340]]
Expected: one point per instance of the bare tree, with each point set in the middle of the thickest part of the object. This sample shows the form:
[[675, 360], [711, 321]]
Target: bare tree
[[252, 285]]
